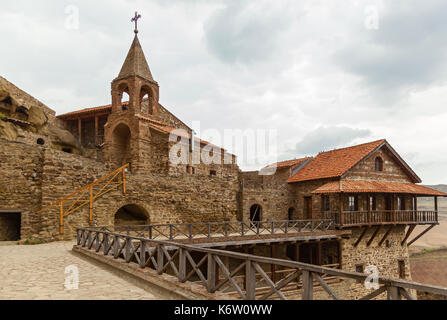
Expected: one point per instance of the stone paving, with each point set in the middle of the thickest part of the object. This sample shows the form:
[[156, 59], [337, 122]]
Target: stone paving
[[38, 273]]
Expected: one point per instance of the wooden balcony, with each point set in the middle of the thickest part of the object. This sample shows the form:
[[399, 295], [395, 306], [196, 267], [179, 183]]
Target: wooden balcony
[[365, 218]]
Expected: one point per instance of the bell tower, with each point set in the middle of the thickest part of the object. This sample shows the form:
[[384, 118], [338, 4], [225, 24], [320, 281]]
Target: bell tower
[[127, 137], [135, 78]]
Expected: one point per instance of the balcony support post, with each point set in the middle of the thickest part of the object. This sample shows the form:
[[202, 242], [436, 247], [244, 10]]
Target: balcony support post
[[410, 230], [436, 203], [421, 234]]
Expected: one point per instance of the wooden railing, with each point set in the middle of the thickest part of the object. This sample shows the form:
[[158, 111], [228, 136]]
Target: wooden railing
[[186, 262], [222, 229], [88, 194], [355, 218]]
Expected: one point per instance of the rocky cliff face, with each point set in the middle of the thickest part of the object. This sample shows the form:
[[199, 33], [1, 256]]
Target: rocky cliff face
[[25, 119]]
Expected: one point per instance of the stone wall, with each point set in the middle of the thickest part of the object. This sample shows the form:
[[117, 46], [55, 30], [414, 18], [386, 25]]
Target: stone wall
[[385, 258], [21, 167], [271, 192], [365, 170]]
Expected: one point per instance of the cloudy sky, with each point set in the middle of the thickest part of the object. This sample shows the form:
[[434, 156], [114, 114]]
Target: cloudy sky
[[322, 74]]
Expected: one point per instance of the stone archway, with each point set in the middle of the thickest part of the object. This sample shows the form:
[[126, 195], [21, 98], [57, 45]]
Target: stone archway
[[131, 215], [121, 144]]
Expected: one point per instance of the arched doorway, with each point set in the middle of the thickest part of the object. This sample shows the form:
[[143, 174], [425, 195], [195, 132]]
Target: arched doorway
[[131, 215], [255, 213], [121, 144], [291, 214]]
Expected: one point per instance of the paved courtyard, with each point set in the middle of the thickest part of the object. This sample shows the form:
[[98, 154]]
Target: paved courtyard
[[38, 272]]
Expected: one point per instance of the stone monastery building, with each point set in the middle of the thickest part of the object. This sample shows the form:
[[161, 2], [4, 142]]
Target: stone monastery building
[[111, 165]]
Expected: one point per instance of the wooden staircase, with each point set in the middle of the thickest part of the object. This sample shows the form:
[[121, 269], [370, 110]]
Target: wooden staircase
[[88, 194]]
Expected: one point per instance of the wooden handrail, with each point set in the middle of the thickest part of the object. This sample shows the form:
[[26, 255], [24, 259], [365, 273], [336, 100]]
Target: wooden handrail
[[79, 202], [172, 258], [350, 218]]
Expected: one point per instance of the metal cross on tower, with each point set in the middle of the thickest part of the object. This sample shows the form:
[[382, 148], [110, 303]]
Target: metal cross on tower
[[135, 19]]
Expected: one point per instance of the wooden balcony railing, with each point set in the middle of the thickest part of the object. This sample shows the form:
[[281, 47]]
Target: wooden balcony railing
[[355, 218]]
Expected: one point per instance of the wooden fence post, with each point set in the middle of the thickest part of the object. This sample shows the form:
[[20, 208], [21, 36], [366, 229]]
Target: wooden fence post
[[127, 253], [160, 260], [182, 265], [91, 203], [211, 274], [393, 293], [142, 254], [106, 243], [308, 285], [250, 281]]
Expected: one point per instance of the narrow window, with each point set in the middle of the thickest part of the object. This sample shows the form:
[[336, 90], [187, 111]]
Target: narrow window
[[379, 164], [353, 203], [67, 150], [213, 173], [360, 268], [401, 264]]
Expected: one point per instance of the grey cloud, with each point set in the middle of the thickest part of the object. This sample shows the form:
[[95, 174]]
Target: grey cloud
[[408, 51], [326, 138], [246, 31]]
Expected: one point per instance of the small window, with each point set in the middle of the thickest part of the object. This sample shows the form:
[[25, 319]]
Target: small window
[[213, 173], [40, 141], [360, 268], [401, 266], [67, 150], [326, 203], [379, 164], [353, 203]]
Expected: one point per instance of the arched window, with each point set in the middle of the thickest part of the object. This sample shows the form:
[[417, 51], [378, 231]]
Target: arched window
[[379, 164], [255, 213], [146, 100], [123, 91]]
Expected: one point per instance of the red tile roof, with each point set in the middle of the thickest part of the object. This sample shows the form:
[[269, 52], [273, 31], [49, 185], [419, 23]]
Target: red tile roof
[[363, 186], [287, 163], [335, 163], [107, 108]]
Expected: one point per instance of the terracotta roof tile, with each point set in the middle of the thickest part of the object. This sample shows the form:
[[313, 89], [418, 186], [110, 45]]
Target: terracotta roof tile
[[363, 186], [335, 163], [287, 163], [107, 108]]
